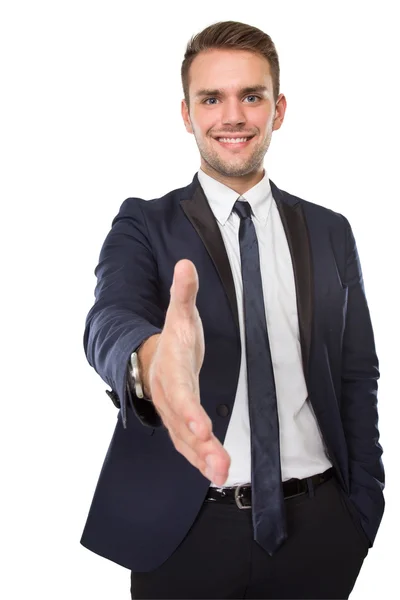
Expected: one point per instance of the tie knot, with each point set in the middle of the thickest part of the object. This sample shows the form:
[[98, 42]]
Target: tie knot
[[243, 209]]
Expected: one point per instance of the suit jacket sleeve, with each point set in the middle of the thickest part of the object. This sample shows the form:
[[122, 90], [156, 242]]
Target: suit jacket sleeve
[[126, 309], [360, 373]]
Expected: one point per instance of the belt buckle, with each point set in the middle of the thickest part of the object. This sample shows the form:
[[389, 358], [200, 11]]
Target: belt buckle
[[237, 498]]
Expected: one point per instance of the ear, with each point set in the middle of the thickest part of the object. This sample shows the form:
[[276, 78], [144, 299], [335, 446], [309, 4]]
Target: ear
[[280, 112], [185, 117]]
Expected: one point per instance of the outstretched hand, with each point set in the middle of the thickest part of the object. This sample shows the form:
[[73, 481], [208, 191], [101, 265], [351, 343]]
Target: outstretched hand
[[174, 379]]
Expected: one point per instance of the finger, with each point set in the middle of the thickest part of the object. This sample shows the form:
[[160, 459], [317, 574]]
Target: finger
[[197, 428], [187, 421], [180, 405], [185, 286], [202, 447], [217, 471]]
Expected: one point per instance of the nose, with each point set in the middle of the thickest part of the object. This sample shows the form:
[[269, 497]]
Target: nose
[[233, 113]]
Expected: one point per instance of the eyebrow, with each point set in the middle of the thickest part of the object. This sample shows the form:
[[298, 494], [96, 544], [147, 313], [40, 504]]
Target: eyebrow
[[247, 90]]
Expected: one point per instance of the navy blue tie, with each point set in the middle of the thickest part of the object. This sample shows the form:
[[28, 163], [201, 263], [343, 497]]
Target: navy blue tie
[[268, 510]]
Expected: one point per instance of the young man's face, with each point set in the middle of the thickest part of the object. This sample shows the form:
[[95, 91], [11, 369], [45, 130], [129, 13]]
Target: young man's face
[[231, 96]]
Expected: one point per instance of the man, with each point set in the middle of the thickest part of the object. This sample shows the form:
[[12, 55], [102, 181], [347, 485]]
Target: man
[[245, 462]]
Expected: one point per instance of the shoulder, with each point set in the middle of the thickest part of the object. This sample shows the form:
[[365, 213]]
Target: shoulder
[[162, 205], [314, 211]]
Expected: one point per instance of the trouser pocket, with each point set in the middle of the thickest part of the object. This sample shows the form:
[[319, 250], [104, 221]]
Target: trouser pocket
[[353, 515]]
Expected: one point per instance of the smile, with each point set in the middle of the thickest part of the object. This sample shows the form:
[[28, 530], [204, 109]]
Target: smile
[[234, 142]]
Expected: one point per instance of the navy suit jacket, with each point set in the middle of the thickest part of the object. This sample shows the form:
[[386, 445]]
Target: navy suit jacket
[[148, 495]]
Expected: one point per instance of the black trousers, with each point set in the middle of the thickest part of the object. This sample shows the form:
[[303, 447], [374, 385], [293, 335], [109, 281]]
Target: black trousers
[[218, 558]]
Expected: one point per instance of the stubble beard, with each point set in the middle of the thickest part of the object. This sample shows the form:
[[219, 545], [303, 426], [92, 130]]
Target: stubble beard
[[236, 167]]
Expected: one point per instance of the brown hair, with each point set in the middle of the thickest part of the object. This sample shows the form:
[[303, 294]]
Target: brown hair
[[234, 35]]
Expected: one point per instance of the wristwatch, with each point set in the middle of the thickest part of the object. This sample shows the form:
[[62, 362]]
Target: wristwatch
[[135, 378]]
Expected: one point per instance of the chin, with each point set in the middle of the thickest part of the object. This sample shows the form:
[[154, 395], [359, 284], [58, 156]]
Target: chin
[[237, 169]]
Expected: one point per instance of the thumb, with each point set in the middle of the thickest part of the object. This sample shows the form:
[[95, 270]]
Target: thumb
[[185, 286]]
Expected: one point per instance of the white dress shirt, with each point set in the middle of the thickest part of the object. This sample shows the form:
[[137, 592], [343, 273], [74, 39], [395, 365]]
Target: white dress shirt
[[303, 451]]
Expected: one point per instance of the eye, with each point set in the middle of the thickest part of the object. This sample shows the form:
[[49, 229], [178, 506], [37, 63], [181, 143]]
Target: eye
[[210, 101], [253, 96]]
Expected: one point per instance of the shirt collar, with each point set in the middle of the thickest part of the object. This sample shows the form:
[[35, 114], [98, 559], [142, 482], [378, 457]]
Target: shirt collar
[[221, 198]]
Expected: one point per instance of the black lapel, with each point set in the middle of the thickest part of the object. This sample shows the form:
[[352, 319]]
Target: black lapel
[[199, 213], [294, 224]]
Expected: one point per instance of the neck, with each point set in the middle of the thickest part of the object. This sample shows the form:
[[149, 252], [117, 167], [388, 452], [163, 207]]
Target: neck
[[239, 184]]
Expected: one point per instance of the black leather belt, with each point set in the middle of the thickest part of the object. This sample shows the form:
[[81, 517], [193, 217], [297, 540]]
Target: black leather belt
[[241, 494]]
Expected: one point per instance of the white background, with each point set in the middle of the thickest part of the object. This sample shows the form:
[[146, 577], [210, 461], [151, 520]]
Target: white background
[[90, 115]]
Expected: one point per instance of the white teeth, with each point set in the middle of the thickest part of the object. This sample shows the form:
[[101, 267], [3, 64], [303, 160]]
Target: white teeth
[[232, 140]]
